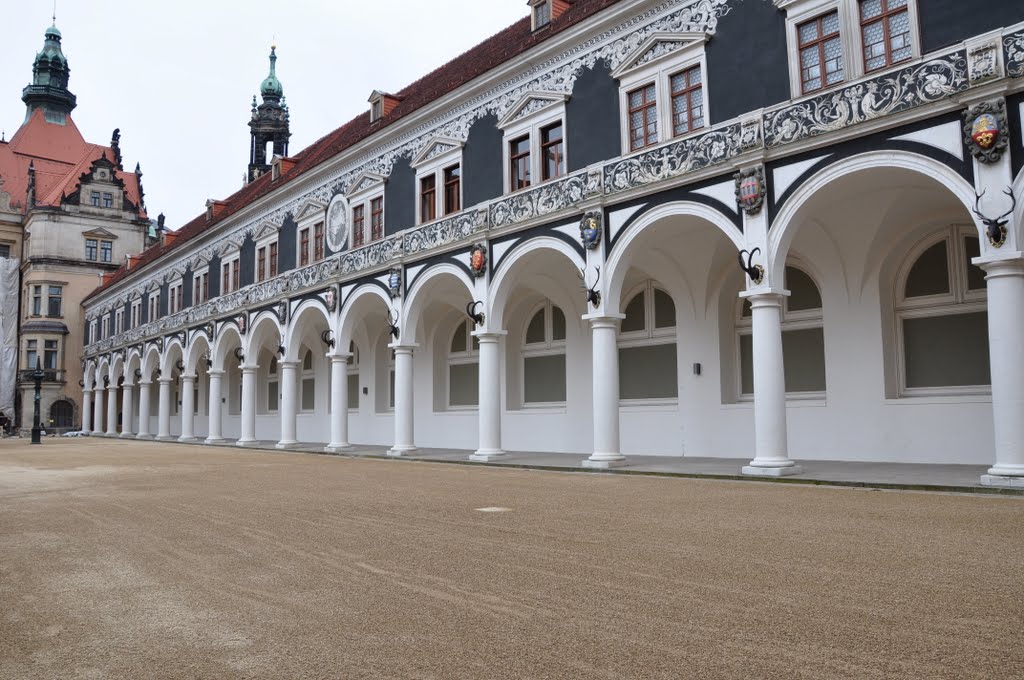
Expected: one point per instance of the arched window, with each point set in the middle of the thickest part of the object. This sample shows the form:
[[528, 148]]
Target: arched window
[[647, 345], [273, 385], [544, 356], [353, 377], [803, 339], [308, 401], [463, 366], [942, 317], [62, 414]]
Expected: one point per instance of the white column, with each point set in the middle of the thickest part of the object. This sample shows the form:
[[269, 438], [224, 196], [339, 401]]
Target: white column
[[1005, 332], [248, 434], [489, 396], [216, 431], [289, 404], [163, 425], [339, 403], [112, 410], [97, 423], [771, 448], [403, 401], [144, 409], [188, 384], [605, 369], [87, 410], [126, 409]]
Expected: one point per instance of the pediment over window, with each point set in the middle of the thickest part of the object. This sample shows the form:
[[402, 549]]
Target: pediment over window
[[173, 275], [365, 182], [310, 209], [529, 104], [265, 230], [438, 146], [100, 233], [659, 46], [198, 262], [152, 285]]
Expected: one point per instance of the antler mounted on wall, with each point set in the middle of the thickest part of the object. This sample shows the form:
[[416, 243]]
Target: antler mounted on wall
[[995, 228], [239, 355], [477, 317], [326, 338], [393, 324], [754, 271], [593, 294]]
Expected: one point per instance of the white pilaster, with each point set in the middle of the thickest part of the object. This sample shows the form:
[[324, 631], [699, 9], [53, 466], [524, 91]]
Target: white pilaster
[[97, 426], [403, 401], [248, 433], [289, 404], [339, 403], [188, 383], [163, 426], [87, 410], [771, 447], [126, 409], [144, 409], [112, 410], [1005, 332], [489, 396], [605, 371], [216, 429]]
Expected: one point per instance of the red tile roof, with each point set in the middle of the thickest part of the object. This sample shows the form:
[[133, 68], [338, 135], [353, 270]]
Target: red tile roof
[[491, 53]]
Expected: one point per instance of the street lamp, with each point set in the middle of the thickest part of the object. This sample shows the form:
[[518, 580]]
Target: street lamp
[[37, 375]]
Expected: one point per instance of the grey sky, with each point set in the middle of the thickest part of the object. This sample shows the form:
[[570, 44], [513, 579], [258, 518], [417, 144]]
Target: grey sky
[[178, 77]]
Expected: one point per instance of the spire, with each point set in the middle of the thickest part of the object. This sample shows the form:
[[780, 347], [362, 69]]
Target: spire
[[271, 87], [268, 123], [49, 87]]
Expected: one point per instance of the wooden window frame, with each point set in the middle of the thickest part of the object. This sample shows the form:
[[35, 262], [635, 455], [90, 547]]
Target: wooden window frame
[[518, 163], [819, 43], [318, 241], [642, 109], [452, 189], [304, 247], [559, 150], [886, 37], [272, 259], [358, 225], [428, 198], [376, 218], [687, 92]]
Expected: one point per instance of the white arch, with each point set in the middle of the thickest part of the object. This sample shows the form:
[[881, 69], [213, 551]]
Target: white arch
[[193, 353], [102, 370], [413, 306], [89, 375], [312, 307], [621, 258], [116, 368], [228, 336], [785, 226], [169, 350], [504, 283], [366, 291], [264, 329]]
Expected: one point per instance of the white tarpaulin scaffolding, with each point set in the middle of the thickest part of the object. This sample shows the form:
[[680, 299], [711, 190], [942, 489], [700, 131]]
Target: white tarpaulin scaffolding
[[8, 334]]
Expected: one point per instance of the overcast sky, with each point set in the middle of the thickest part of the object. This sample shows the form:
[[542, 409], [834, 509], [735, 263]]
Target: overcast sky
[[178, 77]]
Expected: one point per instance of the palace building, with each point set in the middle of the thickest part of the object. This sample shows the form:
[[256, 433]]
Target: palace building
[[773, 230]]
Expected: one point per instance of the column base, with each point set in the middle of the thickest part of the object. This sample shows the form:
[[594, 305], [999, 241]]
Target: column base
[[399, 451], [144, 436], [247, 442], [604, 461], [128, 435], [290, 444], [183, 438], [758, 471], [487, 455], [338, 448], [166, 438], [1003, 481], [110, 434], [213, 440]]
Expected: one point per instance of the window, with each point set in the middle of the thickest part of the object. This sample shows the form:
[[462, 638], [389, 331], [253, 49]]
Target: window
[[118, 322], [93, 337], [261, 263], [136, 313], [885, 33], [37, 300], [50, 354], [54, 301], [174, 292], [308, 393], [5, 250], [353, 377], [519, 163], [108, 200], [304, 247], [310, 243], [647, 345], [687, 101], [463, 366], [272, 260], [230, 276], [541, 14], [358, 226], [154, 305], [377, 218], [31, 353], [94, 199], [105, 326], [201, 288], [452, 191], [643, 117], [544, 357], [942, 317], [428, 198], [273, 385], [91, 249], [318, 241], [803, 339], [552, 151], [106, 251], [821, 52]]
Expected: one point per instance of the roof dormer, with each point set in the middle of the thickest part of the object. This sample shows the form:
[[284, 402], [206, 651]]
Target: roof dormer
[[543, 12], [214, 208], [381, 104], [280, 166]]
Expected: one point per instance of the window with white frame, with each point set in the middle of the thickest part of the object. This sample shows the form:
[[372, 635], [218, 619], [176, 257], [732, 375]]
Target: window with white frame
[[136, 313], [93, 337], [118, 321], [366, 210], [534, 140], [353, 376], [105, 326], [201, 286], [803, 339], [832, 41], [266, 255], [307, 392], [661, 90], [463, 366], [942, 317], [154, 305], [310, 242], [273, 385], [647, 345], [175, 295], [230, 274], [543, 373], [438, 179]]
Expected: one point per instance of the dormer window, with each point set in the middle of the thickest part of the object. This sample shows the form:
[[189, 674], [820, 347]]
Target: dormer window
[[376, 109], [541, 14], [275, 170], [381, 104]]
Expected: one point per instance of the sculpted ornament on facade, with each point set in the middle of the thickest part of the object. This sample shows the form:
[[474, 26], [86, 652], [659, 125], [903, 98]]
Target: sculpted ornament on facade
[[590, 229], [337, 223], [983, 61], [395, 282], [376, 254], [1014, 53], [443, 232], [478, 260], [985, 131], [887, 94], [543, 200], [750, 189], [330, 298]]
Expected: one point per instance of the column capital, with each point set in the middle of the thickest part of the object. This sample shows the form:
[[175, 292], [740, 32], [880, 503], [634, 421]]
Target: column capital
[[86, 390], [165, 381], [215, 374], [489, 335], [188, 377], [145, 382], [764, 297], [403, 348], [1004, 264], [604, 320], [249, 368], [342, 357], [287, 364], [127, 383]]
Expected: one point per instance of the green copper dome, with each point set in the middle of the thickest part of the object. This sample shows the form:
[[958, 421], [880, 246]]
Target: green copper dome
[[271, 86]]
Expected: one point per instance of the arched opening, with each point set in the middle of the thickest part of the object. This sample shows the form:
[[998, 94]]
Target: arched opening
[[62, 415]]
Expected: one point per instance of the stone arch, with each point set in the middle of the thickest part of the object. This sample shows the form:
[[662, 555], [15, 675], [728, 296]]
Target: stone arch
[[440, 281], [309, 311], [265, 330], [173, 351], [227, 340], [362, 300], [198, 345], [504, 282]]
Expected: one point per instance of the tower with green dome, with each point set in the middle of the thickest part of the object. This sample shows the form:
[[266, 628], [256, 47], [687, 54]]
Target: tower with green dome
[[269, 122], [49, 88]]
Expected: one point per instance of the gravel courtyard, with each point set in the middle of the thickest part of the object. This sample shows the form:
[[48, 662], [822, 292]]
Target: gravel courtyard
[[144, 560]]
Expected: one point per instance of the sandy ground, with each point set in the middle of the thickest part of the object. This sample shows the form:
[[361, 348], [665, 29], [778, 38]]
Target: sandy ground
[[143, 560]]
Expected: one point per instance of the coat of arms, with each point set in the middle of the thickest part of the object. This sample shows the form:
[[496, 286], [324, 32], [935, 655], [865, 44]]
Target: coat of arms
[[590, 230], [395, 282], [750, 189], [478, 260], [985, 131]]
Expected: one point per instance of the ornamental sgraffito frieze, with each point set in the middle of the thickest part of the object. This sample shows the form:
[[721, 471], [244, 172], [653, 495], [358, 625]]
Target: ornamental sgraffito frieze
[[544, 200], [887, 94], [1013, 45], [373, 255], [671, 160], [446, 231]]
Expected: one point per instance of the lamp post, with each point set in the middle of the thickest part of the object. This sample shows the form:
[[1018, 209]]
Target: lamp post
[[37, 375]]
